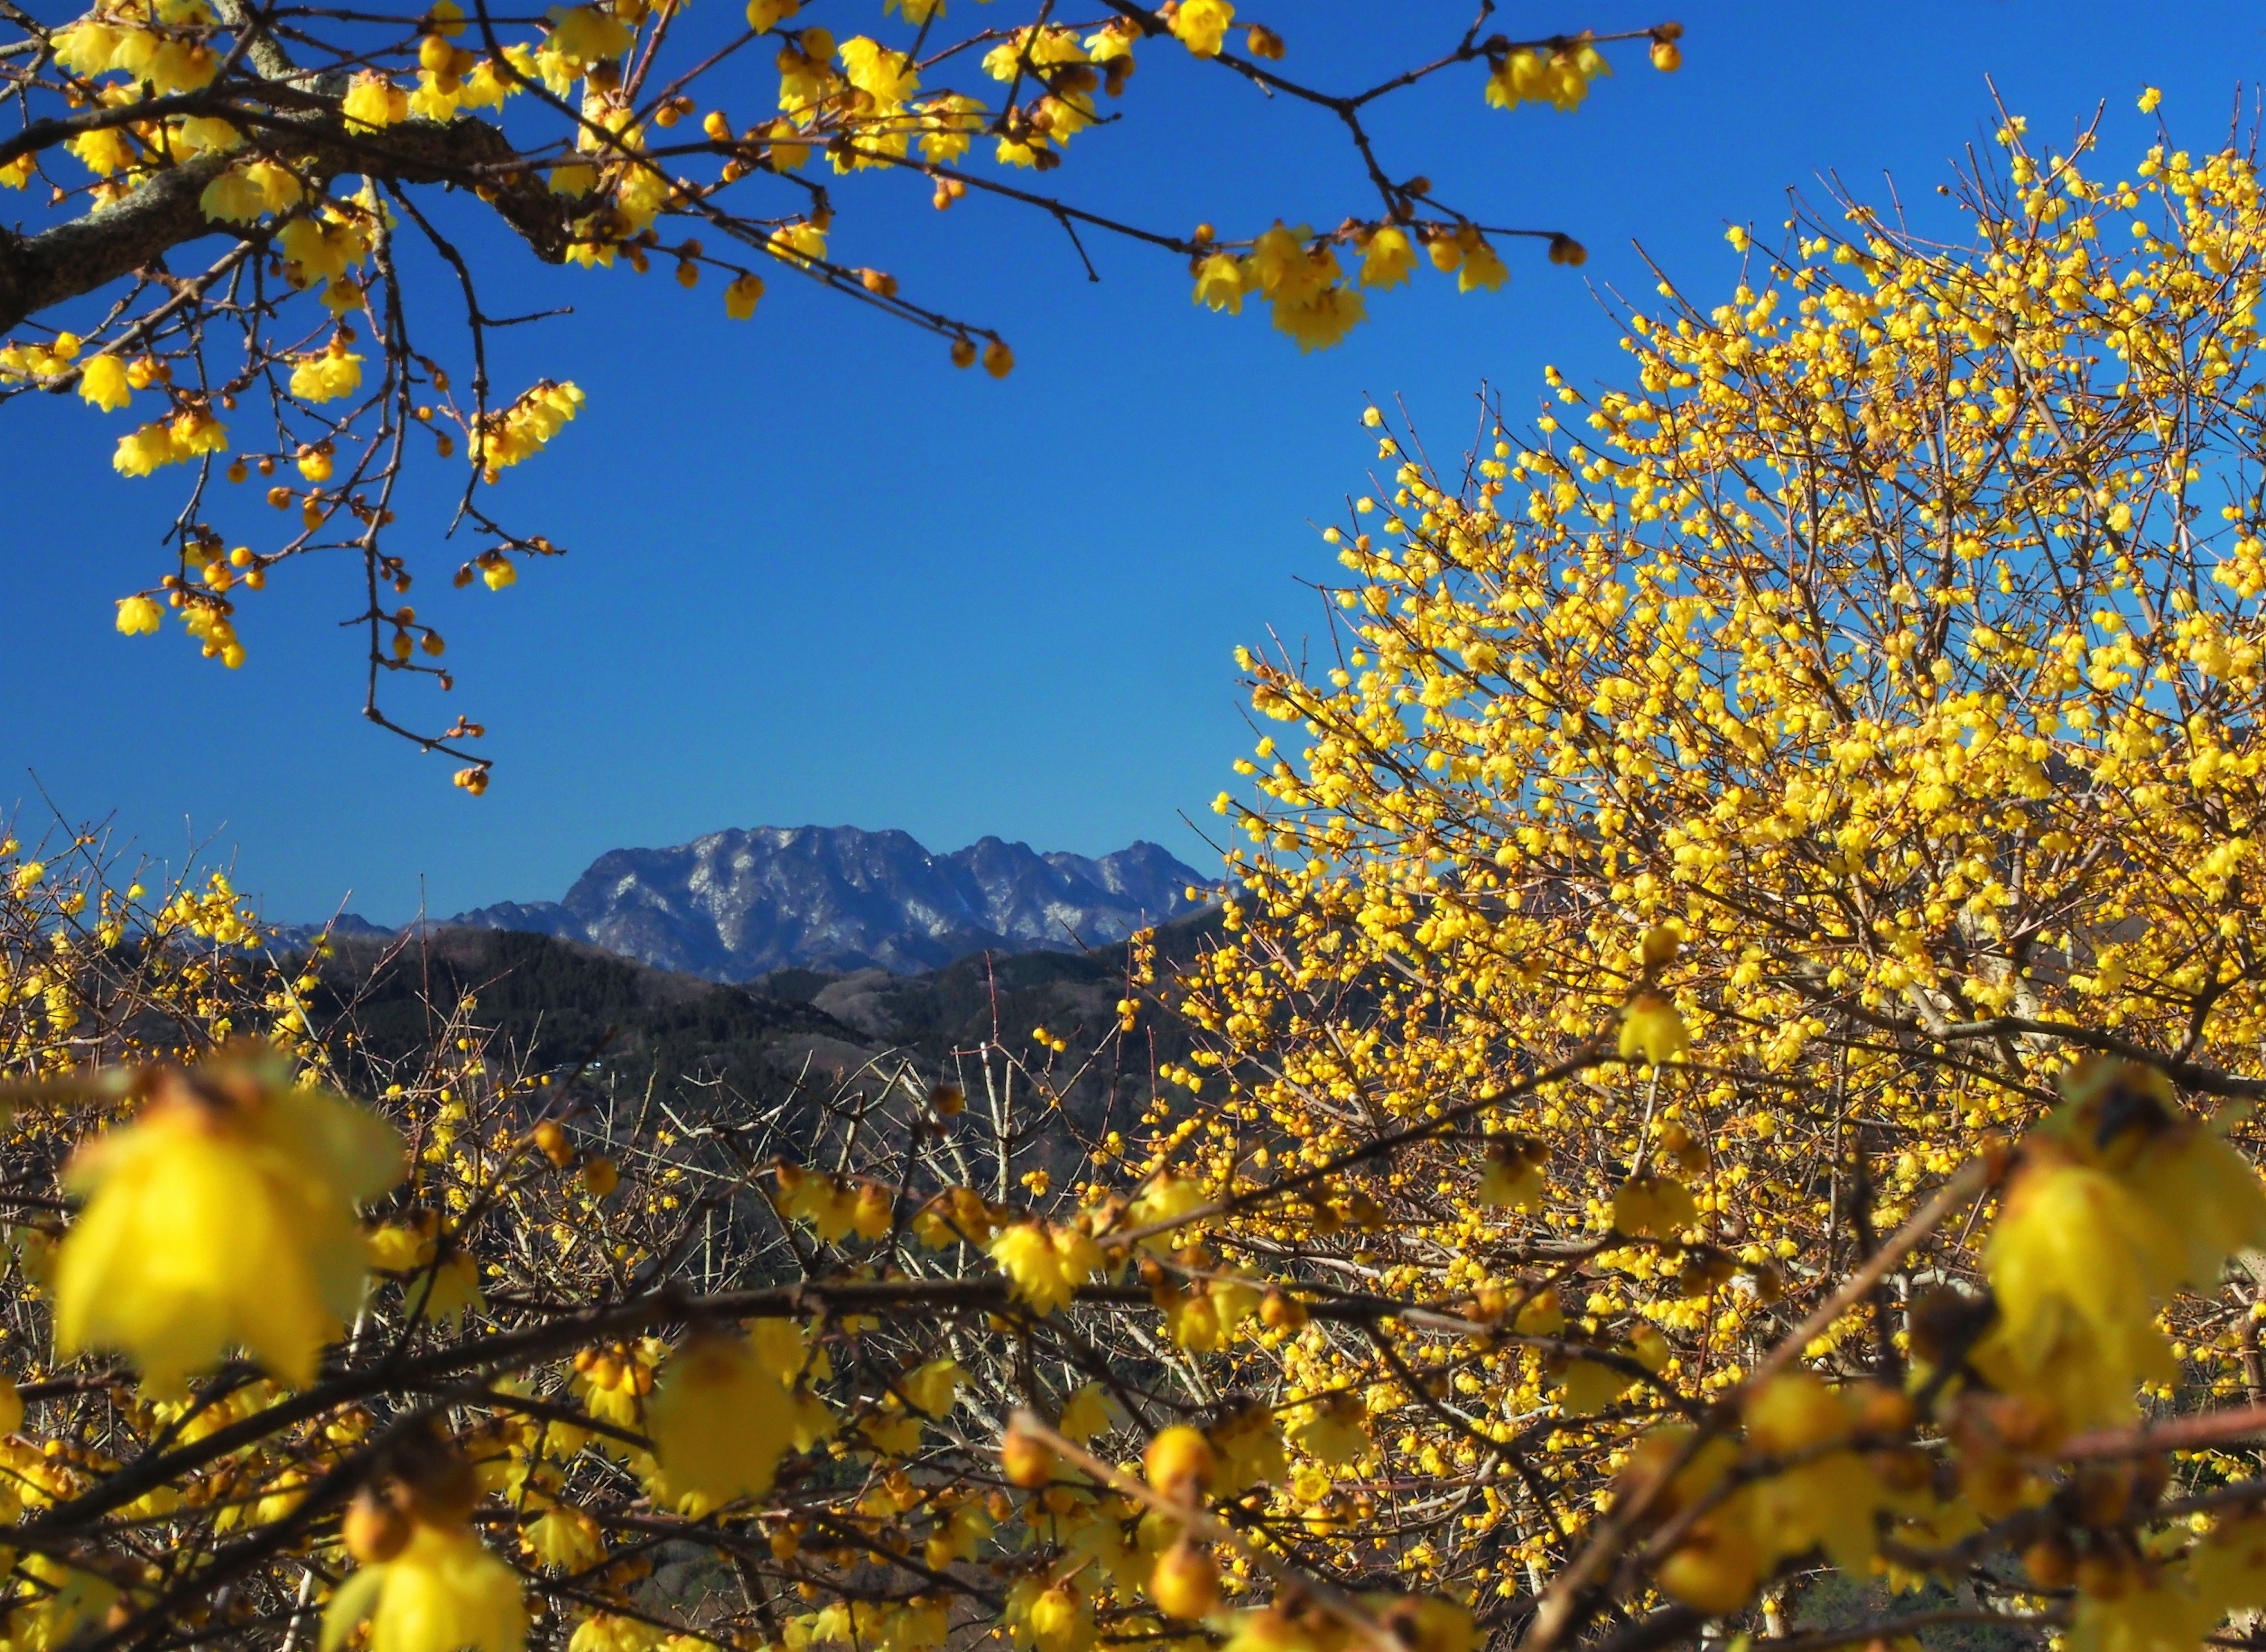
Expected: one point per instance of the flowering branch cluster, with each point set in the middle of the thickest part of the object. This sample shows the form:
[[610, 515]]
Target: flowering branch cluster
[[297, 153]]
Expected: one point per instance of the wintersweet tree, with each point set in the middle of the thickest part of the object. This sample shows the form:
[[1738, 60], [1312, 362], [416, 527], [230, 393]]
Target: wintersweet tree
[[230, 202], [1722, 1107], [1853, 723]]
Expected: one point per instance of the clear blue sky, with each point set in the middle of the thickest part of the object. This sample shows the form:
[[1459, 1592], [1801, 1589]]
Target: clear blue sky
[[818, 575]]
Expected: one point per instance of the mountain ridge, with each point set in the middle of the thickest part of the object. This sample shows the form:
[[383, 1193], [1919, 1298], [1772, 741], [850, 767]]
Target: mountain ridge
[[737, 904]]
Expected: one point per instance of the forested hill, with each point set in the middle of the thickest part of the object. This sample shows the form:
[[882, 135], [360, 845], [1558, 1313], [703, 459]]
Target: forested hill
[[557, 1003]]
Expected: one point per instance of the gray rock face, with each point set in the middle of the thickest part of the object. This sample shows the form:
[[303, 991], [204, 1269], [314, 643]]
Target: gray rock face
[[737, 904]]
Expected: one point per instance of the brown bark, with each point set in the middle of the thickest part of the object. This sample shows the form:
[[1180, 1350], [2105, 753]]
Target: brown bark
[[53, 266]]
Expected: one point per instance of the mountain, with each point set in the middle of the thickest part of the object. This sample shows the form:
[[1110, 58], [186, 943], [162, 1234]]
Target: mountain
[[734, 905]]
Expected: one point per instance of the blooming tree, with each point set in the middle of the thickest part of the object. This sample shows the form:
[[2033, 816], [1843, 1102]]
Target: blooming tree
[[1732, 1059]]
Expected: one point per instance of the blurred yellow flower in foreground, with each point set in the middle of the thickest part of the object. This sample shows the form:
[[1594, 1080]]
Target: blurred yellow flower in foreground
[[442, 1592], [224, 1216], [720, 1419]]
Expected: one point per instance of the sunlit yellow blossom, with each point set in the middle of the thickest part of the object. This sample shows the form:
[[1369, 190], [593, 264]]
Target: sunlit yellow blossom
[[1387, 257], [1044, 1263], [373, 101], [1220, 283], [102, 382], [327, 376], [1483, 267], [224, 1216], [719, 1419], [564, 1538], [1321, 320], [1652, 1031], [741, 295], [443, 1592], [1202, 25]]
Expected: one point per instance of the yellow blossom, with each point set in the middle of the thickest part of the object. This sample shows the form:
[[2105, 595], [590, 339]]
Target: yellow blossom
[[1652, 1031], [720, 1420], [442, 1592], [1202, 25], [102, 382], [224, 1216], [1045, 1264]]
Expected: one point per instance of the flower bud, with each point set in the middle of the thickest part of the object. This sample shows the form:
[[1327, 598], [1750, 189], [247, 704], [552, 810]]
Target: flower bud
[[1181, 1462], [1026, 1460], [1184, 1583]]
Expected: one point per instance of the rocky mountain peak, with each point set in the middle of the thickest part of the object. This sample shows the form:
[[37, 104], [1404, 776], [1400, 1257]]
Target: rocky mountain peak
[[737, 904]]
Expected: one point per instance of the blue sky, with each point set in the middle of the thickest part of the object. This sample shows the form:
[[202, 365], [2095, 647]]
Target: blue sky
[[819, 575]]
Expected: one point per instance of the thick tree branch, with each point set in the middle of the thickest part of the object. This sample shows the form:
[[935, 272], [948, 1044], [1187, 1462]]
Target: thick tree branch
[[69, 260]]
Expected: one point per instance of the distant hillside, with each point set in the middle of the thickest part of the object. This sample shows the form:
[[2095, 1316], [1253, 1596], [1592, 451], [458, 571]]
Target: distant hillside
[[558, 1002], [736, 905]]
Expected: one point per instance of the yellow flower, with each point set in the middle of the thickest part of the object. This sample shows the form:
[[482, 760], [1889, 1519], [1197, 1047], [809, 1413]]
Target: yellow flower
[[1283, 267], [1483, 267], [327, 376], [933, 1388], [443, 1592], [243, 194], [1202, 25], [768, 14], [102, 382], [1045, 1264], [455, 1291], [1221, 283], [1387, 258], [73, 1603], [1589, 1387], [1184, 1583], [373, 101], [818, 1199], [586, 34], [1652, 1031], [1165, 1199], [1541, 1314], [871, 1208], [1323, 320], [2076, 1262], [2123, 1116], [564, 1538], [1718, 1566], [1061, 1619], [2154, 1613], [138, 615], [608, 1632], [1083, 1415], [1829, 1498], [1513, 1178], [224, 1216], [720, 1420], [87, 48], [739, 297], [2150, 97], [1250, 1450], [1659, 1207], [1335, 1429], [143, 451], [1521, 77]]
